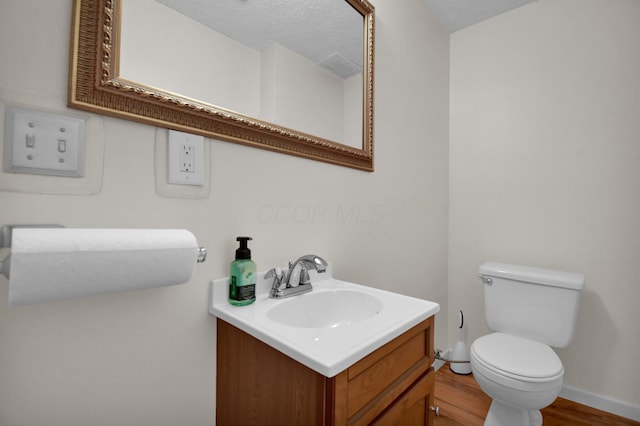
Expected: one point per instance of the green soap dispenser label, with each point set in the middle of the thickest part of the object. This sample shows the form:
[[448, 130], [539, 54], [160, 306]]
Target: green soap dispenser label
[[240, 290]]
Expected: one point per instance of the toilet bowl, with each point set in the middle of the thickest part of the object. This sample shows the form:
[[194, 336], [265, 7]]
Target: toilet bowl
[[529, 310], [520, 375]]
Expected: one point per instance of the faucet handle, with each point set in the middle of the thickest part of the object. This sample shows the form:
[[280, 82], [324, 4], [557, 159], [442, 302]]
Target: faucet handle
[[274, 272], [278, 280]]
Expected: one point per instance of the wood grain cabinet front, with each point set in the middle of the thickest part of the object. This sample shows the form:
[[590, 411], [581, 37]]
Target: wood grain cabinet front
[[258, 385]]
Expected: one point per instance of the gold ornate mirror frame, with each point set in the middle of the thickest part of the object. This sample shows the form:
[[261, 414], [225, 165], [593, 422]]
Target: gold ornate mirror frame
[[95, 85]]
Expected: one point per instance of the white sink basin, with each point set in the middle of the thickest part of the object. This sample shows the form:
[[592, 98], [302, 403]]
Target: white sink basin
[[324, 309], [328, 329]]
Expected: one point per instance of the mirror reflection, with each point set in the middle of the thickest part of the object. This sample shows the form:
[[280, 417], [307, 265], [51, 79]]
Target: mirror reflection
[[135, 66], [295, 63]]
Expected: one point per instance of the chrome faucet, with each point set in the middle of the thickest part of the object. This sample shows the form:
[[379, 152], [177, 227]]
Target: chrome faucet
[[296, 279]]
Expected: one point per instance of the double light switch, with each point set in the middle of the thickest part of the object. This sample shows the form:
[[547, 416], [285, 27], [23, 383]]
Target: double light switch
[[43, 143]]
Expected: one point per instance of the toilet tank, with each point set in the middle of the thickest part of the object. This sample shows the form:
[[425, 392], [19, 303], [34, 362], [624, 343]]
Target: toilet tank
[[539, 304]]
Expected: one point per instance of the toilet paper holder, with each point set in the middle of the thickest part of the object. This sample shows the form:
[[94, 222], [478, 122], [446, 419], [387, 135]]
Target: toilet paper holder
[[5, 242]]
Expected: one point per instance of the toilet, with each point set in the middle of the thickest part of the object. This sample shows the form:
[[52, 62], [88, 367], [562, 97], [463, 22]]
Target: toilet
[[530, 311]]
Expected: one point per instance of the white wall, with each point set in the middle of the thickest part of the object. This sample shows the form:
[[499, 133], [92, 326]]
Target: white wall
[[205, 64], [545, 170], [148, 357], [300, 95]]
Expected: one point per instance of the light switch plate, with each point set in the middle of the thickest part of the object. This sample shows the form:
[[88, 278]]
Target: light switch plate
[[43, 143]]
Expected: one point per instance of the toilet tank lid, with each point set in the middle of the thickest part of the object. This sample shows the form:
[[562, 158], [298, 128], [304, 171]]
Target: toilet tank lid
[[548, 277]]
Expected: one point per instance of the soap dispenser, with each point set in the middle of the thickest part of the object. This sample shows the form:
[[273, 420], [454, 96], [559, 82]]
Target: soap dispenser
[[242, 276]]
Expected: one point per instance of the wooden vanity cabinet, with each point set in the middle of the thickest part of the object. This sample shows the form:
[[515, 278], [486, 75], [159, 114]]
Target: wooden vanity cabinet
[[258, 385]]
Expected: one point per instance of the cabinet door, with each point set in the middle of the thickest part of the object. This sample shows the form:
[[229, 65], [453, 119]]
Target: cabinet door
[[258, 385], [412, 409]]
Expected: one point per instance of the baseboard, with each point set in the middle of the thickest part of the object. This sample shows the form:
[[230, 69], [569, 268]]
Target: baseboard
[[600, 402]]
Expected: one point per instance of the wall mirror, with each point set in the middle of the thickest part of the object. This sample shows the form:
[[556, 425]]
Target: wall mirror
[[290, 76]]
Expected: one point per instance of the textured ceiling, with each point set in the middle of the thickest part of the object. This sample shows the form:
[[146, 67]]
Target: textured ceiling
[[455, 15], [325, 31]]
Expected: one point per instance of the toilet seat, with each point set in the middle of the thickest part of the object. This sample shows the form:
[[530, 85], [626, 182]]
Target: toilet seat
[[513, 360]]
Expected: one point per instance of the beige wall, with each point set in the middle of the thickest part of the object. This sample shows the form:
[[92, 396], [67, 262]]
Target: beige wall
[[148, 357], [545, 170], [304, 96], [226, 72]]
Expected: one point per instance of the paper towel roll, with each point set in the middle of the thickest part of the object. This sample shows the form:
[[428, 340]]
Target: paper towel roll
[[58, 263]]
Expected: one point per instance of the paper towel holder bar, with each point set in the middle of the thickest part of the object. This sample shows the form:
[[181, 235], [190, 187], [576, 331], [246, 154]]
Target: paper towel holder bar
[[7, 230]]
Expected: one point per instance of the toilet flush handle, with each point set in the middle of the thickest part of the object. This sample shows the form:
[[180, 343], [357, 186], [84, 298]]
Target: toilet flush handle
[[486, 280]]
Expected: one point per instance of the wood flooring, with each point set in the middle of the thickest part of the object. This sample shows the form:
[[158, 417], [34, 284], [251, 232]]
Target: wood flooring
[[463, 403]]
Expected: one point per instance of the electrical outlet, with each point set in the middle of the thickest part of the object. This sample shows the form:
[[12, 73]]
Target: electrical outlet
[[185, 159]]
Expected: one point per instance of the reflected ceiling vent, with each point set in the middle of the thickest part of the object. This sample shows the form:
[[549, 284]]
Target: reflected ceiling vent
[[340, 66]]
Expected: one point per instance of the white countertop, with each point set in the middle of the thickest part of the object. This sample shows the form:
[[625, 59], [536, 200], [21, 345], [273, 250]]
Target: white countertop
[[327, 350]]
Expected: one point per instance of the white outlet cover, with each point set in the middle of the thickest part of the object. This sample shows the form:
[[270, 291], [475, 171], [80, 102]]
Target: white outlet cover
[[175, 176], [162, 185]]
